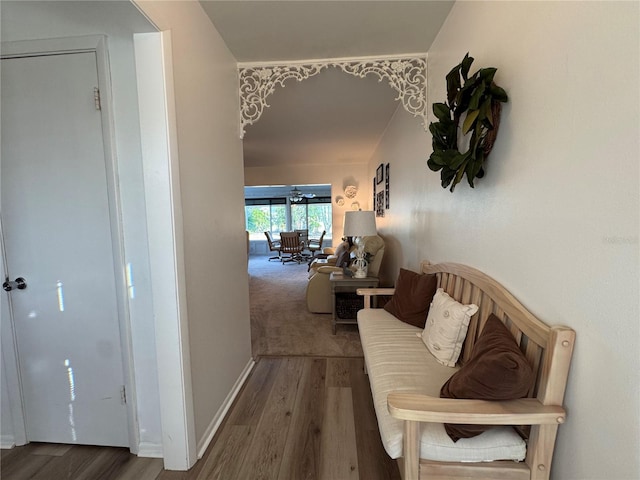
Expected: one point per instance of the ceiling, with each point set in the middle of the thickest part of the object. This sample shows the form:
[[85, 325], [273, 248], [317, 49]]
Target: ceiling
[[332, 117], [280, 191]]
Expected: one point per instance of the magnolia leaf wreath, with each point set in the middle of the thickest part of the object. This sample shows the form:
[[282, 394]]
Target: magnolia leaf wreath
[[475, 100]]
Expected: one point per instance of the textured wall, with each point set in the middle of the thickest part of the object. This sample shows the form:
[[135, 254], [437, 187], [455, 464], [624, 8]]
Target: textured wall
[[211, 184], [556, 217]]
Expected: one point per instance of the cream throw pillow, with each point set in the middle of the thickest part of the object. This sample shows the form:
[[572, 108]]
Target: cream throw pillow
[[446, 327]]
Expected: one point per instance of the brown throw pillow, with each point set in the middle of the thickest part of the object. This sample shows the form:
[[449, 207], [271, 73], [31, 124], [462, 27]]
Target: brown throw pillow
[[412, 297], [497, 370]]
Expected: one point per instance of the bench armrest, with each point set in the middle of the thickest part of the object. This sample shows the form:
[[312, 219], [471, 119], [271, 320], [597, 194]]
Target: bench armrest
[[372, 292], [425, 408]]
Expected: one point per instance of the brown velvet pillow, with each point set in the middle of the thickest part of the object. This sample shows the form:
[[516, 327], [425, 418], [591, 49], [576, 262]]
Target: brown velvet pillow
[[412, 297], [497, 370]]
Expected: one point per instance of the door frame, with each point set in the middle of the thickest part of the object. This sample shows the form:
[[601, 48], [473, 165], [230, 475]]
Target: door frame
[[96, 44], [160, 158]]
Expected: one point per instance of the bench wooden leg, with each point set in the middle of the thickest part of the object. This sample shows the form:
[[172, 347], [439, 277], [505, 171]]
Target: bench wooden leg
[[539, 457], [411, 450]]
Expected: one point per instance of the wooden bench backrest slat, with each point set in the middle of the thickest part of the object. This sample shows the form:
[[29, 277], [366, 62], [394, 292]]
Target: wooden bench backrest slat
[[525, 321], [545, 347]]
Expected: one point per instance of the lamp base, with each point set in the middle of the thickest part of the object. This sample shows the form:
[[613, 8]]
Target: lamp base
[[360, 274], [362, 266]]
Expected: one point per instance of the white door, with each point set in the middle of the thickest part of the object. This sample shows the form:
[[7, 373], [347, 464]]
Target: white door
[[56, 226]]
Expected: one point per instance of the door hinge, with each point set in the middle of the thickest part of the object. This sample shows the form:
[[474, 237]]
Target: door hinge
[[123, 395], [96, 98]]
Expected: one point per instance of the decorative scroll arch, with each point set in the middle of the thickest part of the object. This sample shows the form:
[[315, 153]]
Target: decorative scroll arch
[[406, 74]]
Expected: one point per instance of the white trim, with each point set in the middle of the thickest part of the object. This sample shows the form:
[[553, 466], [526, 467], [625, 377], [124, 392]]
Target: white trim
[[211, 430], [370, 58], [30, 48], [150, 450], [164, 223], [406, 74], [10, 362], [117, 235], [7, 442]]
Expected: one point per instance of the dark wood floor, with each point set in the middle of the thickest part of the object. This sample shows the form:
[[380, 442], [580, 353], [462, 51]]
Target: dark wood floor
[[297, 418]]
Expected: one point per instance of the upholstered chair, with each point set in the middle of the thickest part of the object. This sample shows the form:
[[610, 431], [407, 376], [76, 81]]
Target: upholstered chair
[[319, 287]]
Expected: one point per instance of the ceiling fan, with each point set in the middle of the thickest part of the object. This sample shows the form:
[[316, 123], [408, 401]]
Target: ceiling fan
[[296, 195]]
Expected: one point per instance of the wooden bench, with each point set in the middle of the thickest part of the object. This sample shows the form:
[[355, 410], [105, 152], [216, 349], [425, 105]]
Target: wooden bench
[[549, 351]]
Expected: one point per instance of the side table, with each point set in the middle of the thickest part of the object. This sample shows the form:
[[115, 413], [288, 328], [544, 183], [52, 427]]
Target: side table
[[342, 284]]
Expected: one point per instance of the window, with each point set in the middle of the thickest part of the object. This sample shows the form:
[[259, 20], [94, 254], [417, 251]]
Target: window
[[265, 215], [313, 214], [275, 215]]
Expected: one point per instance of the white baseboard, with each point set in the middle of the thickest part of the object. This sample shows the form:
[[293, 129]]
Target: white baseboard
[[7, 441], [217, 419], [150, 450], [145, 449]]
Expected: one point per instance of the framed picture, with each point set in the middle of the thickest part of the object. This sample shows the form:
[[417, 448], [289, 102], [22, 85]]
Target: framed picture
[[380, 204], [373, 203], [380, 174], [386, 187]]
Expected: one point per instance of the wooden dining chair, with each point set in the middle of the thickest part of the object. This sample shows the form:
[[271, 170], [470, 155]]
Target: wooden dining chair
[[314, 245], [291, 245], [274, 246]]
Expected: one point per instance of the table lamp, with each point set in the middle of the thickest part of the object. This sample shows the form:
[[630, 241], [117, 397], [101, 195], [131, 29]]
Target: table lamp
[[358, 224]]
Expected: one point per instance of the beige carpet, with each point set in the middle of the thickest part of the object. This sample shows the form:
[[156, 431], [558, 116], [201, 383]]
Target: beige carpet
[[280, 321]]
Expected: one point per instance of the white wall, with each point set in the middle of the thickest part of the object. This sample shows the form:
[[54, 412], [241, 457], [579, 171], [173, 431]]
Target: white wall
[[211, 184], [339, 176], [556, 218], [118, 20]]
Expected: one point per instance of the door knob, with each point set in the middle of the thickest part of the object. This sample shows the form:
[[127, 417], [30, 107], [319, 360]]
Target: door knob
[[18, 283]]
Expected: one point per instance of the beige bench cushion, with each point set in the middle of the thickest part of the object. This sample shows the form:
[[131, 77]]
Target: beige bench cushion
[[397, 360]]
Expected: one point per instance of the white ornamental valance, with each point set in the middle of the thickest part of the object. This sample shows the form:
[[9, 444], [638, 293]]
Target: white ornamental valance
[[406, 74]]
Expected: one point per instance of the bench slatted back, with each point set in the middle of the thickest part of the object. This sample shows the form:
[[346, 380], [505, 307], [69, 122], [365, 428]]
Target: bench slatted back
[[544, 346]]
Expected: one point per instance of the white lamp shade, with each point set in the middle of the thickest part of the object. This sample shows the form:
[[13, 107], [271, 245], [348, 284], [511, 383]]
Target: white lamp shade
[[360, 223]]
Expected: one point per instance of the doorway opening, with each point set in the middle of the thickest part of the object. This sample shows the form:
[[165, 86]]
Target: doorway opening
[[275, 209]]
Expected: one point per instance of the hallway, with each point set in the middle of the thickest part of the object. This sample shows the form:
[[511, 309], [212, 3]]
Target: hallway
[[296, 418]]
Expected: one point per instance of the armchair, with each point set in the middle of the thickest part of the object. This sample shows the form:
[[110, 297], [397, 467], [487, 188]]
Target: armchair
[[331, 256], [319, 287]]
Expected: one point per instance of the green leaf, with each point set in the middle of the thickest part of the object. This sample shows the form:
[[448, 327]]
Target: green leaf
[[464, 96], [446, 176], [436, 159], [438, 143], [453, 83], [474, 102], [458, 160], [458, 177], [473, 168], [441, 134], [468, 122], [487, 74], [441, 111], [437, 127], [433, 166], [486, 113], [498, 93], [466, 65]]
